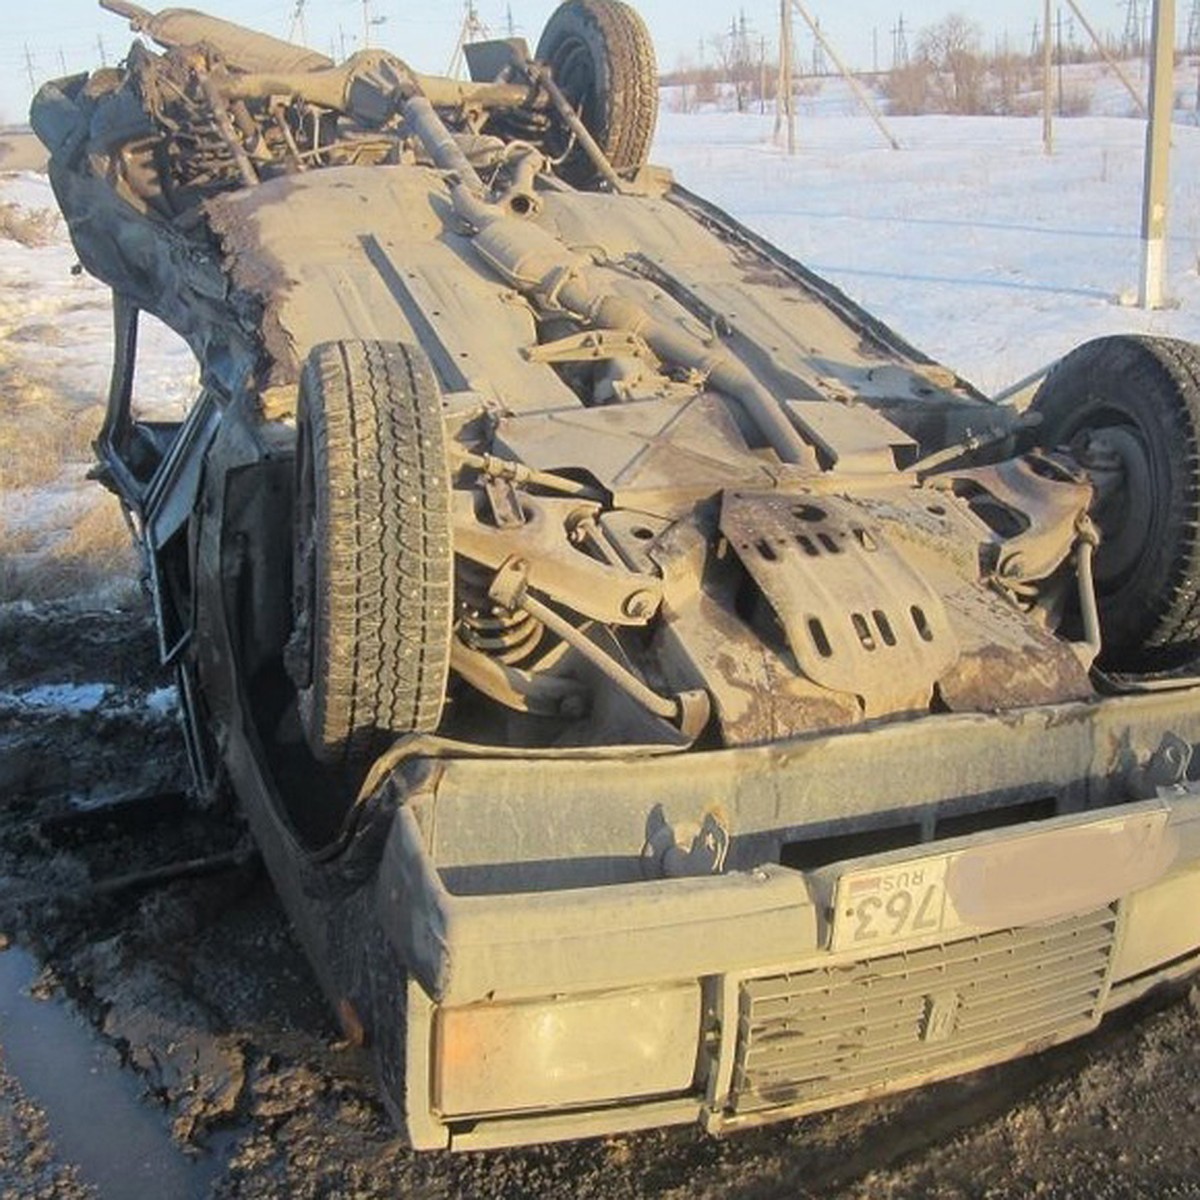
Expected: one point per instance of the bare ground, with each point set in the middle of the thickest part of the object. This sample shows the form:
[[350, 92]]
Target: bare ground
[[197, 988], [21, 151]]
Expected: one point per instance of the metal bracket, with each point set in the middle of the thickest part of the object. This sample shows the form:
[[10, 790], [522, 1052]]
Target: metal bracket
[[504, 503], [1167, 767], [1042, 491], [686, 849], [555, 567], [593, 346]]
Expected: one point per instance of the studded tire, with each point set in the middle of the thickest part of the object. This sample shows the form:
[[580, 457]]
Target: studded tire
[[372, 556]]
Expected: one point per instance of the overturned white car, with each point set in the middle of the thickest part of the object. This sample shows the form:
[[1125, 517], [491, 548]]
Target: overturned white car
[[660, 693]]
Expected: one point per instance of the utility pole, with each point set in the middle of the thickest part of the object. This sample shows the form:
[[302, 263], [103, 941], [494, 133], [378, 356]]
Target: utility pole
[[785, 101], [472, 29], [899, 45], [856, 87], [1158, 155], [1106, 54], [100, 49], [62, 60], [298, 26], [1047, 76], [1059, 40], [1193, 32], [762, 74], [1131, 40], [819, 66], [874, 49], [29, 70], [509, 25], [369, 21]]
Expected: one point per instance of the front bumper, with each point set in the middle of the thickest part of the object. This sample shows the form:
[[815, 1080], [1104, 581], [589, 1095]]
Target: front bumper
[[516, 883], [486, 881], [786, 1027]]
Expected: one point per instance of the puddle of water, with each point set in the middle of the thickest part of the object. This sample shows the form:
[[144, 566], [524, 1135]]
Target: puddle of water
[[121, 1146]]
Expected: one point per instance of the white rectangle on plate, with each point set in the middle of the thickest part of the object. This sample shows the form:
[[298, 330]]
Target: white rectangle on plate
[[896, 903]]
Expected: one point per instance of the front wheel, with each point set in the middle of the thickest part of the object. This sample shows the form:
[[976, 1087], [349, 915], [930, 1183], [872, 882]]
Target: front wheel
[[372, 560], [1128, 408]]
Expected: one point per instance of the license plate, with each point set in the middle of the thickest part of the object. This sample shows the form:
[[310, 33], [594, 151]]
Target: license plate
[[1030, 876], [881, 905]]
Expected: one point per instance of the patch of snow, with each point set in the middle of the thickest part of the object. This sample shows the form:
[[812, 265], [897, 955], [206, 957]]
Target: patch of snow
[[163, 702], [69, 699], [45, 306]]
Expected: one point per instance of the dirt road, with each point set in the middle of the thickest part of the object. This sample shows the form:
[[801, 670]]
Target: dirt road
[[220, 1071]]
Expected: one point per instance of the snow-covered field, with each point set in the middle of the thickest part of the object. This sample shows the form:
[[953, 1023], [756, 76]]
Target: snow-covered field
[[969, 241], [59, 533], [972, 243]]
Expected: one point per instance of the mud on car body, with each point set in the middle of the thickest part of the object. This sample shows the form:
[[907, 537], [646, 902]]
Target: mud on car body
[[660, 693]]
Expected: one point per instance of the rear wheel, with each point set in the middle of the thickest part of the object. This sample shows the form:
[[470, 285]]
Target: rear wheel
[[372, 559], [1129, 410], [601, 56]]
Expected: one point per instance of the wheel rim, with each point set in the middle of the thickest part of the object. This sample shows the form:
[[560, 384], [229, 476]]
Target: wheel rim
[[1120, 461], [574, 71]]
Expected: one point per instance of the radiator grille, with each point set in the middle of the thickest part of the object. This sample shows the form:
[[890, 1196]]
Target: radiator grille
[[817, 1034]]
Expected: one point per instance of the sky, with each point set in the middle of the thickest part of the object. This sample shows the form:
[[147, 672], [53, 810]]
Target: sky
[[73, 34]]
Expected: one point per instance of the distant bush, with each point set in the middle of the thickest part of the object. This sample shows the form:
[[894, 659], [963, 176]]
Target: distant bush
[[949, 73], [27, 226], [1075, 101], [907, 90]]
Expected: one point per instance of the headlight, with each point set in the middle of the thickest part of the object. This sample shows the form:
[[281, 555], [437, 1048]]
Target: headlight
[[567, 1051]]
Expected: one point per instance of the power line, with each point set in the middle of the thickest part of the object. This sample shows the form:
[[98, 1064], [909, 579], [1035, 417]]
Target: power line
[[819, 65], [1131, 39], [899, 45], [297, 26], [473, 29]]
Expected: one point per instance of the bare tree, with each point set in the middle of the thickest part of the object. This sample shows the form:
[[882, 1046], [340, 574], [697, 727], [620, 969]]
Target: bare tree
[[951, 49], [737, 62]]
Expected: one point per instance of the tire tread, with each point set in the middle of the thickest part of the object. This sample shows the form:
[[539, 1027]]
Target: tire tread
[[1155, 617], [381, 637]]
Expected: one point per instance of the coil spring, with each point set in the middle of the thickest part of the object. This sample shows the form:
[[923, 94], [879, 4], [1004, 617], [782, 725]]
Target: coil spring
[[507, 637]]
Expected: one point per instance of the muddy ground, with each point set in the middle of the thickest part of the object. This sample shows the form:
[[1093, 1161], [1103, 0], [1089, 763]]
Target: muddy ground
[[179, 992]]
